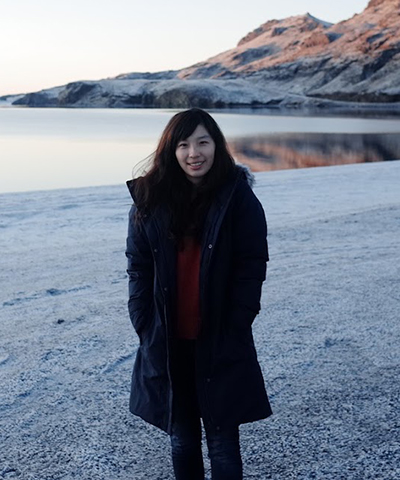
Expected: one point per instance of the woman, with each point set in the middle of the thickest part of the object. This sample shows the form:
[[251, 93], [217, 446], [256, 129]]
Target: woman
[[197, 256]]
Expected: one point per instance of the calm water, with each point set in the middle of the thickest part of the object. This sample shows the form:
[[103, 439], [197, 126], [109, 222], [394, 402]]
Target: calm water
[[60, 148]]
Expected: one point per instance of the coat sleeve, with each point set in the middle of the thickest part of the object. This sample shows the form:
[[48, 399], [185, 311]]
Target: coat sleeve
[[249, 258], [141, 275]]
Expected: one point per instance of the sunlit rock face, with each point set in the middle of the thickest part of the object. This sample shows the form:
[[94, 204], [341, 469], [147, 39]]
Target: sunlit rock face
[[299, 61], [354, 60]]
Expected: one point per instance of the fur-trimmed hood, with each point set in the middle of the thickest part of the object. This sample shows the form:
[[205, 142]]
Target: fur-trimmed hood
[[248, 174]]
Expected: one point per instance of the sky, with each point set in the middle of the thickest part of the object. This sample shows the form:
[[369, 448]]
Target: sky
[[46, 43]]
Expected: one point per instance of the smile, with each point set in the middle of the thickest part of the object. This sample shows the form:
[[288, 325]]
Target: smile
[[196, 164]]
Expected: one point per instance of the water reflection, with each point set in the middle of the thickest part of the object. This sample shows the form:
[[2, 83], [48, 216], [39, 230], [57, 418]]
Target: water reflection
[[283, 151]]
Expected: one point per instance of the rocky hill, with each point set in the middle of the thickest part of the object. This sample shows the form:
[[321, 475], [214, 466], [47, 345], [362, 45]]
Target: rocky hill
[[298, 61], [354, 60]]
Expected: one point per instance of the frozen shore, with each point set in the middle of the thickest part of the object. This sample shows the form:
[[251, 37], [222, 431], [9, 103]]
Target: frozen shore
[[328, 336]]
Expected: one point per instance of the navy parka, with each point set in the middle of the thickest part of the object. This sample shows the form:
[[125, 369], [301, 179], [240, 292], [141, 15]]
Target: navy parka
[[234, 252]]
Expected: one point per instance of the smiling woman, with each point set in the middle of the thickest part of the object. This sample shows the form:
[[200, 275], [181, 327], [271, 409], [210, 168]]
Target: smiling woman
[[197, 253]]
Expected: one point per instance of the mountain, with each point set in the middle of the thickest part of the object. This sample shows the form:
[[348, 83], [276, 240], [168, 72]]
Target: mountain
[[354, 60], [297, 61]]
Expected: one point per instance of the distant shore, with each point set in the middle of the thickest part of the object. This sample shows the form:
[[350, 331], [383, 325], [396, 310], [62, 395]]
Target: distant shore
[[300, 105], [285, 104]]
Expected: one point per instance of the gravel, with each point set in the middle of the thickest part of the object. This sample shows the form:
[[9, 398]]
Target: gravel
[[327, 337]]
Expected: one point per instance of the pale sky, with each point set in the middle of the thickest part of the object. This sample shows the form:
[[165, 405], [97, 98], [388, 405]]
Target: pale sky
[[45, 43]]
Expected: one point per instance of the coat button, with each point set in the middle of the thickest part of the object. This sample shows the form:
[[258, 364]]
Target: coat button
[[155, 250], [165, 289], [210, 246], [208, 380]]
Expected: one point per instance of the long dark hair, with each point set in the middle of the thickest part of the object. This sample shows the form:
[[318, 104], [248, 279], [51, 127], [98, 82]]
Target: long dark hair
[[166, 184]]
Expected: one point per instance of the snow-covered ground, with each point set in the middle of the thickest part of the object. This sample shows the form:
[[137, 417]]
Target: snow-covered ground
[[328, 336]]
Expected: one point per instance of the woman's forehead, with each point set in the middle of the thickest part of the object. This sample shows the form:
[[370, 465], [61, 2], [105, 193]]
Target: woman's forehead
[[199, 132]]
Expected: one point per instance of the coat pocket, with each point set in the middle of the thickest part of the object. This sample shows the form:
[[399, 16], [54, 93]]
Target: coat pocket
[[142, 316], [237, 345]]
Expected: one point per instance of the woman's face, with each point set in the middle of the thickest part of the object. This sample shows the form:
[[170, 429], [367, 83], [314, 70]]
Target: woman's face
[[195, 154]]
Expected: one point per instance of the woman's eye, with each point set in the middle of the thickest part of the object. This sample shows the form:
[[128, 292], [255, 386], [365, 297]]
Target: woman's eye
[[203, 142], [182, 145]]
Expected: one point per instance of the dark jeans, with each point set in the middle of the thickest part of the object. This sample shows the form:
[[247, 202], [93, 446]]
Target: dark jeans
[[223, 444]]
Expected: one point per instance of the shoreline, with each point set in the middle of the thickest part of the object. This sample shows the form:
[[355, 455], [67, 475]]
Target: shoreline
[[258, 174], [333, 108]]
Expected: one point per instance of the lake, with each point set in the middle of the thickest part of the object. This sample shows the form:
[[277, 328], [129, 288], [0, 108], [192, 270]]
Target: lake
[[42, 149]]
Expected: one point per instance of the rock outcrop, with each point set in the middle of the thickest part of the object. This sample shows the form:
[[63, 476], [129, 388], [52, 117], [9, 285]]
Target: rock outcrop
[[355, 60], [298, 61], [204, 93]]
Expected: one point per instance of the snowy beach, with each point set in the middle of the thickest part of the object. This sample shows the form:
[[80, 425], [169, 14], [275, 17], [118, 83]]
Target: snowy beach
[[328, 335]]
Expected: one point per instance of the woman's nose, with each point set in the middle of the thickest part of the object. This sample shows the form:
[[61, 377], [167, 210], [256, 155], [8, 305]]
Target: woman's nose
[[193, 152]]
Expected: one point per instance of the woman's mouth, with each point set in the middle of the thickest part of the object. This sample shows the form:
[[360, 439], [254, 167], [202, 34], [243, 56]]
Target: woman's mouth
[[196, 164]]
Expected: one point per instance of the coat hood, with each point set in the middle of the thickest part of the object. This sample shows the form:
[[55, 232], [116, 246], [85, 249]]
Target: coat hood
[[246, 173]]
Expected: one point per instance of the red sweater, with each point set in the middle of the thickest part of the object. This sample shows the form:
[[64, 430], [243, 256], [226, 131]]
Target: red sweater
[[188, 290]]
